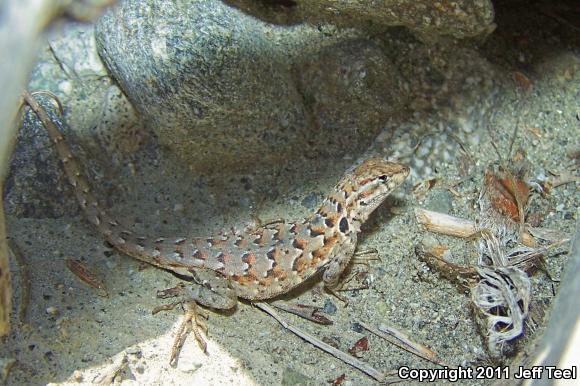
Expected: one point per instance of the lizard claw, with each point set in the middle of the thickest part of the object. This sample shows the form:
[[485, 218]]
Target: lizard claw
[[194, 320], [334, 291]]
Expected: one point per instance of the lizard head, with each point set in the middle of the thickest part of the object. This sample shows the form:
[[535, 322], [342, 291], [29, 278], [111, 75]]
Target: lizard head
[[368, 184]]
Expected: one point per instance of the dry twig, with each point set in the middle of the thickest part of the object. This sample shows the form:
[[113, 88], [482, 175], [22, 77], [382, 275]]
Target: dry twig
[[24, 277], [311, 313], [403, 341], [433, 254], [445, 224], [346, 358]]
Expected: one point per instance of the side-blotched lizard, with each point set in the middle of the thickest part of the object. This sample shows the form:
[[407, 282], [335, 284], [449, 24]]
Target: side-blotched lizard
[[255, 264]]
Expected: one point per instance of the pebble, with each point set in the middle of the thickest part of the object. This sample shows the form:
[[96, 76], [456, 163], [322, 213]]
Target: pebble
[[329, 307], [136, 350], [77, 376], [356, 327]]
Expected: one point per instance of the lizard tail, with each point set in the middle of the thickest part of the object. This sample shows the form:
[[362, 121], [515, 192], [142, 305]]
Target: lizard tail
[[165, 253]]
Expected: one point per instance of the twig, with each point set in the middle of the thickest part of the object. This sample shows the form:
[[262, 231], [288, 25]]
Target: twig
[[311, 313], [24, 277], [524, 258], [346, 358], [563, 179], [432, 253], [64, 67], [557, 17], [547, 234], [86, 275], [403, 342], [445, 224]]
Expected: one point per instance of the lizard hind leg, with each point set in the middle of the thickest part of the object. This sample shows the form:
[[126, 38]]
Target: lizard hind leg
[[209, 289]]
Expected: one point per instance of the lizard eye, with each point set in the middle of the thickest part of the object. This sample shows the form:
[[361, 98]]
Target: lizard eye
[[384, 177]]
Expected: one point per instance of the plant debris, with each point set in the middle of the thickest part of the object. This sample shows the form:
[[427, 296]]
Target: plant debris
[[507, 250]]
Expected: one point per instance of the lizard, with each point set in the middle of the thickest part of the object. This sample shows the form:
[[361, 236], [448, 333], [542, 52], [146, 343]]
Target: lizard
[[255, 264]]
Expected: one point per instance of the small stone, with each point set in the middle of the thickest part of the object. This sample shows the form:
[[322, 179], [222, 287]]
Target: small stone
[[356, 327], [381, 308], [329, 307], [178, 208], [134, 351], [77, 376], [52, 311]]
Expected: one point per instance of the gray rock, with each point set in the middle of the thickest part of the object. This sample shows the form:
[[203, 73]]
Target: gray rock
[[460, 19], [225, 91]]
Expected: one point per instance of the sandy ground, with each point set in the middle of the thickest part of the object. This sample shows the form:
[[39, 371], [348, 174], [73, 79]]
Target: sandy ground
[[72, 334]]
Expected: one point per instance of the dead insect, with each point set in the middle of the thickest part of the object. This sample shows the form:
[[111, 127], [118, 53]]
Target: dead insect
[[86, 275]]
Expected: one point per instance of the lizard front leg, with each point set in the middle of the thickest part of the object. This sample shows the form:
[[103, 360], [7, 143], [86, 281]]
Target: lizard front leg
[[338, 264]]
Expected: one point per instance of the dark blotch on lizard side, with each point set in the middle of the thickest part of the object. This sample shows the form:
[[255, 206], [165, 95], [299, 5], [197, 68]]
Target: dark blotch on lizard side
[[247, 258], [271, 254], [343, 225], [329, 222], [299, 244]]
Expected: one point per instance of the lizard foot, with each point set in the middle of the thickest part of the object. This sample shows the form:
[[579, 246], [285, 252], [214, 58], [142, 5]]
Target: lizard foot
[[195, 320], [360, 257], [207, 289], [365, 255]]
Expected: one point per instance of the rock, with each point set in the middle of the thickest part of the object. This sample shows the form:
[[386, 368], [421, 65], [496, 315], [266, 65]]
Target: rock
[[98, 118], [460, 19], [227, 92]]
